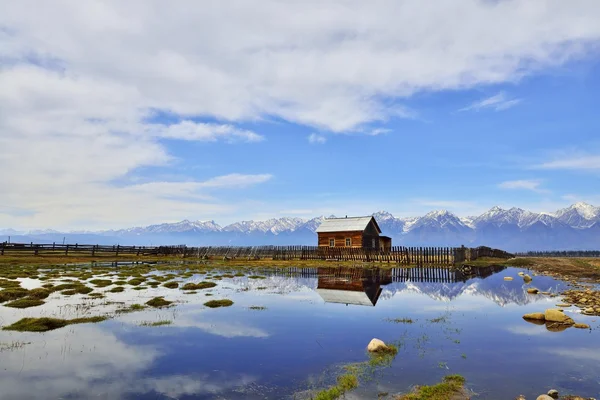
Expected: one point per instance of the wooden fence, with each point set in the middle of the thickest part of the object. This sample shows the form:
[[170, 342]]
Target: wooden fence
[[396, 254]]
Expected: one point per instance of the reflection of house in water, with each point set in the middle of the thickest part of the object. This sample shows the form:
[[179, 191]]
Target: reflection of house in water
[[358, 286]]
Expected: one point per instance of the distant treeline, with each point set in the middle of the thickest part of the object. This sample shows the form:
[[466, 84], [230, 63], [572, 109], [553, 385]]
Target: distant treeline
[[570, 253]]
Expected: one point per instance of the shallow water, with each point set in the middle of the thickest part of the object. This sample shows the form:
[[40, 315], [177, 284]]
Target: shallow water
[[314, 324]]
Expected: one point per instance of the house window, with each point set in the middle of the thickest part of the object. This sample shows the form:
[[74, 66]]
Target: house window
[[331, 242], [348, 242], [373, 243]]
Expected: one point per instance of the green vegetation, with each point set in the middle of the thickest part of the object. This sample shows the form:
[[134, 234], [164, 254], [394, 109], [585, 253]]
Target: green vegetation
[[96, 295], [131, 308], [25, 303], [171, 285], [157, 323], [198, 286], [345, 383], [158, 302], [400, 320], [12, 294], [117, 289], [257, 277], [47, 324], [136, 281], [450, 387], [218, 303], [101, 282], [38, 293]]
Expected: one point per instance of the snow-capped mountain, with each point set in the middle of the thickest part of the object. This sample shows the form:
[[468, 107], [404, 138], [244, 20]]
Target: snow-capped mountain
[[579, 215], [513, 229]]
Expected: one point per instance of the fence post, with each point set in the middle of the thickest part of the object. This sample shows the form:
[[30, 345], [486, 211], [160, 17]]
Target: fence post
[[2, 250], [118, 247], [67, 250]]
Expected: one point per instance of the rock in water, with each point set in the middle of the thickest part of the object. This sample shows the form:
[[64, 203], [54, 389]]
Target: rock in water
[[376, 345], [526, 278], [532, 291], [553, 393], [521, 274], [520, 397], [581, 326], [508, 278], [544, 397], [554, 315], [535, 315]]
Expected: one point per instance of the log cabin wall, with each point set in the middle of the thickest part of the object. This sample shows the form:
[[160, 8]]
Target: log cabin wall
[[370, 236], [340, 238]]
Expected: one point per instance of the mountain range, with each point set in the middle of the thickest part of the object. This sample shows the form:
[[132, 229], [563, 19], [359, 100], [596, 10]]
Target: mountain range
[[573, 228]]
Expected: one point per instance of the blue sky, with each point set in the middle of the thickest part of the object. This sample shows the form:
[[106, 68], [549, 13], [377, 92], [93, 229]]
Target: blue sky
[[118, 114]]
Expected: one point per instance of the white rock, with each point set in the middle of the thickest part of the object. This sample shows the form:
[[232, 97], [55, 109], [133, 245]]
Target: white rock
[[376, 345]]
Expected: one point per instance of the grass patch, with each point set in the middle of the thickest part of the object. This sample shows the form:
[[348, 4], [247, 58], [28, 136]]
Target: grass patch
[[198, 286], [38, 293], [451, 386], [345, 383], [25, 303], [101, 282], [96, 295], [136, 281], [171, 285], [117, 289], [140, 288], [12, 294], [400, 320], [219, 303], [156, 323], [48, 324], [5, 283], [257, 277], [158, 302]]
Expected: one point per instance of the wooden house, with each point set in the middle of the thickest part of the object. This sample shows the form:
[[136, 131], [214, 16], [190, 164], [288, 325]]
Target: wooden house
[[352, 232]]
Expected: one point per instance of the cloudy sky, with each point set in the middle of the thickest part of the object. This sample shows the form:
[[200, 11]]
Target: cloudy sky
[[122, 113]]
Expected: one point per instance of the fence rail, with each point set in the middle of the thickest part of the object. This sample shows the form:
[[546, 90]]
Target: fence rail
[[396, 254]]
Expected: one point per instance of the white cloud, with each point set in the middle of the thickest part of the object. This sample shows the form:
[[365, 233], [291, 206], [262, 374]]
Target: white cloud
[[189, 130], [573, 162], [313, 138], [236, 181], [523, 184], [498, 102]]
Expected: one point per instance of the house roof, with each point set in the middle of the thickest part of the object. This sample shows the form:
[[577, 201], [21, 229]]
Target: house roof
[[345, 297], [348, 224]]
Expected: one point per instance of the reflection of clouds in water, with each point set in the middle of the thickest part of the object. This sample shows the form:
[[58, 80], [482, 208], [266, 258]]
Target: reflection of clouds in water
[[529, 330], [188, 317], [86, 361], [68, 360], [577, 353]]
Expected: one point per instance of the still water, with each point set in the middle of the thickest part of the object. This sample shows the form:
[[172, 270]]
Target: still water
[[290, 334]]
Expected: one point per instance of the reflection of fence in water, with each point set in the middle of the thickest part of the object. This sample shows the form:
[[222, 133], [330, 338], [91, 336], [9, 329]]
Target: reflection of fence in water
[[384, 276]]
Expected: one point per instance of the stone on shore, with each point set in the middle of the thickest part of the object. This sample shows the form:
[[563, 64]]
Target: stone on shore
[[376, 345], [581, 326], [535, 316], [554, 315], [553, 393]]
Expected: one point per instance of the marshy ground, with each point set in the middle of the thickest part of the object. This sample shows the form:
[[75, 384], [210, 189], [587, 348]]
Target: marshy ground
[[157, 324]]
